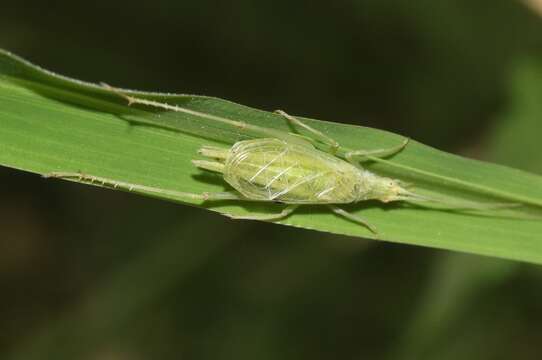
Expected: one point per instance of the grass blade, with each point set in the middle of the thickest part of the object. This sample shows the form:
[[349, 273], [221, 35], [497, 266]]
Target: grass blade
[[52, 123]]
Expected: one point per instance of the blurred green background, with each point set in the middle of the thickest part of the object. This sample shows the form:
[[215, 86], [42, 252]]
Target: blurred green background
[[96, 274]]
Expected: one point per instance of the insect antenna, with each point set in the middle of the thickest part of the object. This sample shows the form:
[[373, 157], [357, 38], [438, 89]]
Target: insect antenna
[[453, 204]]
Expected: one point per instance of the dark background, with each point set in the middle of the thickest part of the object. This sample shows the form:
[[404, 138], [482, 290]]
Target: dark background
[[94, 274]]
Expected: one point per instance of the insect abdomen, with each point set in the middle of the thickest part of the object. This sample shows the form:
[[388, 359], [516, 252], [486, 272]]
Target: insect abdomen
[[271, 169]]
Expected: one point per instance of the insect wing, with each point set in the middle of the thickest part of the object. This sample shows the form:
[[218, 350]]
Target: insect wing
[[273, 170]]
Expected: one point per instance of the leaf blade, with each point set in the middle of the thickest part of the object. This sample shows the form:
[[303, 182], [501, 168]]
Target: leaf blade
[[52, 123]]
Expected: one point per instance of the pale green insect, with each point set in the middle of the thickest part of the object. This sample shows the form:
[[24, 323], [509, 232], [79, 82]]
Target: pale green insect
[[271, 169], [282, 167]]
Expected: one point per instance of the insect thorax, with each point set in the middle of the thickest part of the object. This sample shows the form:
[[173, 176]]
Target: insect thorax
[[273, 170]]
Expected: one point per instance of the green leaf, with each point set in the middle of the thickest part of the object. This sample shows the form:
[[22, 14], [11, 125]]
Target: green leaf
[[51, 123]]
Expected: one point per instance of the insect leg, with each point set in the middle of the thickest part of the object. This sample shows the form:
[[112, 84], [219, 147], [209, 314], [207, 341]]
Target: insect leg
[[214, 166], [214, 152], [362, 155], [287, 211], [354, 218], [317, 134], [226, 195], [242, 126], [121, 185]]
